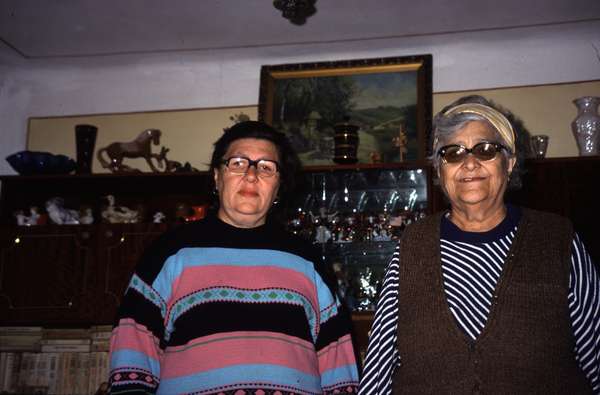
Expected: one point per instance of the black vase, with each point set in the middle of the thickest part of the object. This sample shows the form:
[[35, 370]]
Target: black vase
[[85, 140], [346, 143]]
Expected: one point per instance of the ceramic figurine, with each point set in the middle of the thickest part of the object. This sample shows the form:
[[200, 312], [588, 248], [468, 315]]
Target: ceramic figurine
[[158, 217], [21, 218], [34, 216], [59, 214], [111, 157], [86, 217], [323, 235], [119, 214], [375, 157], [401, 142], [196, 213], [173, 166], [33, 219]]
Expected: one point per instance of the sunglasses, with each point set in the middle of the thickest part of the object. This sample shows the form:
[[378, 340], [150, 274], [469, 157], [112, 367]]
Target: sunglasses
[[483, 151]]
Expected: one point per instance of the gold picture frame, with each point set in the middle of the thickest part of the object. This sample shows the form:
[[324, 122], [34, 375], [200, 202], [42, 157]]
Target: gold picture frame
[[390, 99]]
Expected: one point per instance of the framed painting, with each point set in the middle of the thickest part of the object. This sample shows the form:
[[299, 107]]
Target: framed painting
[[389, 99]]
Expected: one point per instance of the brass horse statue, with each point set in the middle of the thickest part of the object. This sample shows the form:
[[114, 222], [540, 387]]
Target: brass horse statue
[[141, 147]]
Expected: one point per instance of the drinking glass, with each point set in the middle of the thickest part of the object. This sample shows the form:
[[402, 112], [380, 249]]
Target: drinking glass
[[539, 145]]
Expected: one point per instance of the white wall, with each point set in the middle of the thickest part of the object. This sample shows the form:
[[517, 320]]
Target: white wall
[[463, 61]]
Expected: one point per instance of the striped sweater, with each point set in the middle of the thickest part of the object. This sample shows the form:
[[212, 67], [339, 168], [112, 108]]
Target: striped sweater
[[214, 309]]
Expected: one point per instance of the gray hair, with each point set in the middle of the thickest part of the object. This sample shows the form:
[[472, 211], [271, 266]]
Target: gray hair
[[445, 126]]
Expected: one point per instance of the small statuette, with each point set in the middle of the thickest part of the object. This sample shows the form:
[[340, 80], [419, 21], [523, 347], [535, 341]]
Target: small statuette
[[86, 217], [401, 142], [322, 234], [34, 218], [158, 217], [375, 157], [111, 157], [21, 218], [196, 213], [119, 214], [59, 214]]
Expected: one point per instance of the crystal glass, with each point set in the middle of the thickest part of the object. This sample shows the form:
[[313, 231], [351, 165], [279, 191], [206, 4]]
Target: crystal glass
[[586, 126], [539, 145]]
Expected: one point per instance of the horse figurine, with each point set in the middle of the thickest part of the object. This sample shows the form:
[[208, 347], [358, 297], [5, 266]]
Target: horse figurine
[[141, 147]]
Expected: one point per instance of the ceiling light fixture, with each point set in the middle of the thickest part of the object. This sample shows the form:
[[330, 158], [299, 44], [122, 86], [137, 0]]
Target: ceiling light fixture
[[296, 10]]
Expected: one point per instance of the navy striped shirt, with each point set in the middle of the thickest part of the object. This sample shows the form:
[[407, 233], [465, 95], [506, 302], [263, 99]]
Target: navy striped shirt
[[471, 266]]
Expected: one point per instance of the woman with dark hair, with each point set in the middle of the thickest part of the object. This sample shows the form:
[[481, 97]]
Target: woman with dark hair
[[232, 304], [485, 297]]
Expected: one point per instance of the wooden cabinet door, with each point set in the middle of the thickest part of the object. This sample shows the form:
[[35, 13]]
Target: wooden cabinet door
[[568, 187], [119, 248], [44, 274]]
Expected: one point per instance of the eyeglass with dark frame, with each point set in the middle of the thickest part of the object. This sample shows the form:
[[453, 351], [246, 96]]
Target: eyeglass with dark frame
[[484, 151], [240, 164]]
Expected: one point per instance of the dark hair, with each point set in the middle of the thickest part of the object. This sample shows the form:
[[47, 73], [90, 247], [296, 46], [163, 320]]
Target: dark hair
[[442, 126], [289, 163]]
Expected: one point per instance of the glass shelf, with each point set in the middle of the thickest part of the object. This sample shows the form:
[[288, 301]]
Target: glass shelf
[[356, 216]]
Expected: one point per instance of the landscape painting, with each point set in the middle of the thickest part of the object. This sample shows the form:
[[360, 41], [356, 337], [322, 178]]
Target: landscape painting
[[389, 99]]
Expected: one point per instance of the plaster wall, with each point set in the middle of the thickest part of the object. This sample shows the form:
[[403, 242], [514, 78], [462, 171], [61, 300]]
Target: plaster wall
[[220, 78]]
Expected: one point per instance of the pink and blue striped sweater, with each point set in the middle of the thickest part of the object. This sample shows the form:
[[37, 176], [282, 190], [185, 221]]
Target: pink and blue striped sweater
[[214, 309]]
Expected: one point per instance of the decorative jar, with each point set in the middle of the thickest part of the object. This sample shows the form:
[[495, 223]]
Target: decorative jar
[[586, 126], [346, 142]]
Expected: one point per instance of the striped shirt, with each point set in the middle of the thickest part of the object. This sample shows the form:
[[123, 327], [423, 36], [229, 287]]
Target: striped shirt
[[471, 266], [214, 309]]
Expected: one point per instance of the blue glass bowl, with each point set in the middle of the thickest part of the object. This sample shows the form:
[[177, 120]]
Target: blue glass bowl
[[28, 163]]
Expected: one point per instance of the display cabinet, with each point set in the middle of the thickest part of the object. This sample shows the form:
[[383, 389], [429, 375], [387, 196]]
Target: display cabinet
[[568, 187], [355, 215], [75, 274], [70, 275]]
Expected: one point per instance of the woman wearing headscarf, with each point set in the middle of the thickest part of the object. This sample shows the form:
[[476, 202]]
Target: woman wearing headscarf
[[485, 297]]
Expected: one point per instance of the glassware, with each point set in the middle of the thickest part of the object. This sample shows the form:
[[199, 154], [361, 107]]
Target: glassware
[[586, 126], [539, 145], [85, 140]]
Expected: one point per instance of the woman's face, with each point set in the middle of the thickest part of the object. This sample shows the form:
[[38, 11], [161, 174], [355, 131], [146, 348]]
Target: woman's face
[[245, 199], [473, 183]]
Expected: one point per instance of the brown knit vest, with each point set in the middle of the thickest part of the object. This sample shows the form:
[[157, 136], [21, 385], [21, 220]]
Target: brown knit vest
[[526, 346]]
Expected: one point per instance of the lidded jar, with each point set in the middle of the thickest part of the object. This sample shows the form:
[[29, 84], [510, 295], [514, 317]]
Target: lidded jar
[[346, 142]]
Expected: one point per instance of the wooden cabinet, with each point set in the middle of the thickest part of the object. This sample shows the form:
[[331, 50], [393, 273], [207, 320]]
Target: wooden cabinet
[[119, 248], [150, 192], [68, 275], [75, 275], [569, 187], [44, 274]]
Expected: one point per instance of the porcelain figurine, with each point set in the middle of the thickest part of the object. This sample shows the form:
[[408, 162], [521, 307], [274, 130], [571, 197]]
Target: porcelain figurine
[[158, 217], [86, 217], [111, 157], [21, 218], [119, 214], [59, 214]]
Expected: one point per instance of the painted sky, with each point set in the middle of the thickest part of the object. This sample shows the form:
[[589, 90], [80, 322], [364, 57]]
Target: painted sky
[[385, 89]]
